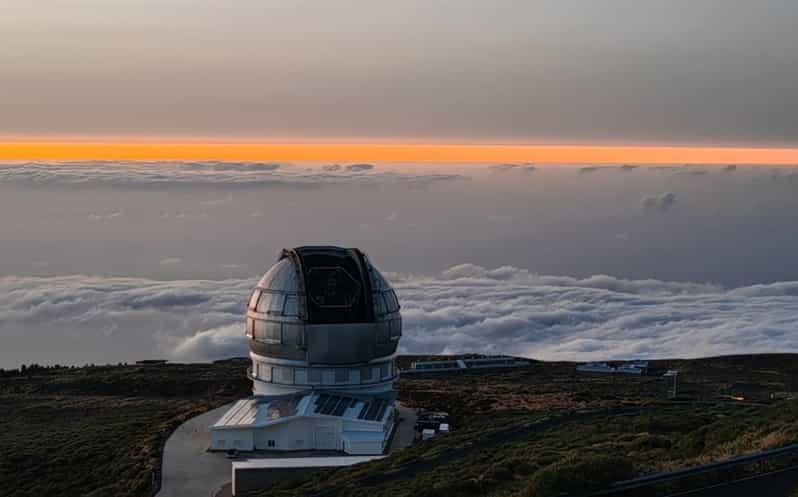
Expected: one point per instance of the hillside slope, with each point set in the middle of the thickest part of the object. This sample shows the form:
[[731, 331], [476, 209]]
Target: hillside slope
[[535, 431]]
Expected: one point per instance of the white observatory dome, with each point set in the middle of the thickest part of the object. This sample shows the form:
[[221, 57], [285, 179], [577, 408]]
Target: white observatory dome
[[323, 318]]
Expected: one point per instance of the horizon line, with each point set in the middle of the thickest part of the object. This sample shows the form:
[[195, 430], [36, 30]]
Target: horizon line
[[393, 152]]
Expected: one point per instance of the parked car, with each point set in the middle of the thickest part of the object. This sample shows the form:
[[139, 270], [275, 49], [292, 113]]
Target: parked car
[[431, 420]]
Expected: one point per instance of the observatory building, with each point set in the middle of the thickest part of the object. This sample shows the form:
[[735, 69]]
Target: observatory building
[[323, 327]]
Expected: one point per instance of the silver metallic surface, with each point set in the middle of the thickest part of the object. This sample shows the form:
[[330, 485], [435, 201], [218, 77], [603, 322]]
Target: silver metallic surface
[[281, 327]]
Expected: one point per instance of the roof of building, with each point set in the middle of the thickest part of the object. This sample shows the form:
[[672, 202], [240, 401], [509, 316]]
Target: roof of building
[[349, 407], [262, 411], [324, 285], [635, 367], [483, 362], [243, 412]]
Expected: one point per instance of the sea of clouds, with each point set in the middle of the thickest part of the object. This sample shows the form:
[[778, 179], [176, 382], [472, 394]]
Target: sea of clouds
[[205, 173], [466, 308]]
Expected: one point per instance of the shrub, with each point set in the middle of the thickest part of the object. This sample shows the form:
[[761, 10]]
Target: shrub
[[691, 444], [521, 466], [652, 442], [578, 475], [463, 487], [499, 472]]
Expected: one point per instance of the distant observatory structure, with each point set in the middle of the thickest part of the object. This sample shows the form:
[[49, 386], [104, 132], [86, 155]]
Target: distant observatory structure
[[323, 327]]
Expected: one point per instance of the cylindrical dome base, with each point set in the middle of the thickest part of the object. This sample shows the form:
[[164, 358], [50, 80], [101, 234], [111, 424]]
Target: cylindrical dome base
[[278, 377]]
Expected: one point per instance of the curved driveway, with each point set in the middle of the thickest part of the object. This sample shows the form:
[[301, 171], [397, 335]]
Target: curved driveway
[[189, 470], [405, 430]]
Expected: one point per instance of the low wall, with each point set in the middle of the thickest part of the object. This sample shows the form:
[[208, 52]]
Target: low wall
[[260, 474], [245, 480]]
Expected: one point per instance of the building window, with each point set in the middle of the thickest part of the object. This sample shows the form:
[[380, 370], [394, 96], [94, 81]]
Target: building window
[[365, 374], [259, 329], [221, 443], [276, 304], [271, 303], [314, 375], [300, 376], [267, 331], [342, 375], [273, 332], [236, 443], [283, 375], [263, 371], [291, 306], [271, 443]]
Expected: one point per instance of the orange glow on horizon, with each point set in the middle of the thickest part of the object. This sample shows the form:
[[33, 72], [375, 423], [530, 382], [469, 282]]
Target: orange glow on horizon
[[370, 152]]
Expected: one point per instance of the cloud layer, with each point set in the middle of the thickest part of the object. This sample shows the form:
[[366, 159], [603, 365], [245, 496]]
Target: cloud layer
[[507, 167], [161, 174], [466, 308], [662, 202], [79, 319], [509, 310]]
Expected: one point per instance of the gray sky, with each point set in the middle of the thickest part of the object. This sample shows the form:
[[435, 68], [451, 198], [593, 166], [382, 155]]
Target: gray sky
[[698, 71]]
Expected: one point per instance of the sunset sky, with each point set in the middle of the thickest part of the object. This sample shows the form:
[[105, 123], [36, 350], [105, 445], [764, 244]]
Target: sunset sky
[[396, 152], [574, 179], [523, 73]]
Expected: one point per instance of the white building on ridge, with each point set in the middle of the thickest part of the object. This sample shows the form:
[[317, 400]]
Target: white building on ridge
[[323, 327]]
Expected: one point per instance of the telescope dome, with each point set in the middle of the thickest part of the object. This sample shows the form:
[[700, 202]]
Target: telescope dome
[[323, 310]]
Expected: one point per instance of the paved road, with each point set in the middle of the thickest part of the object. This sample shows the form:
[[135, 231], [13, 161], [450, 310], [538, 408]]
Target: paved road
[[189, 470], [405, 430]]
